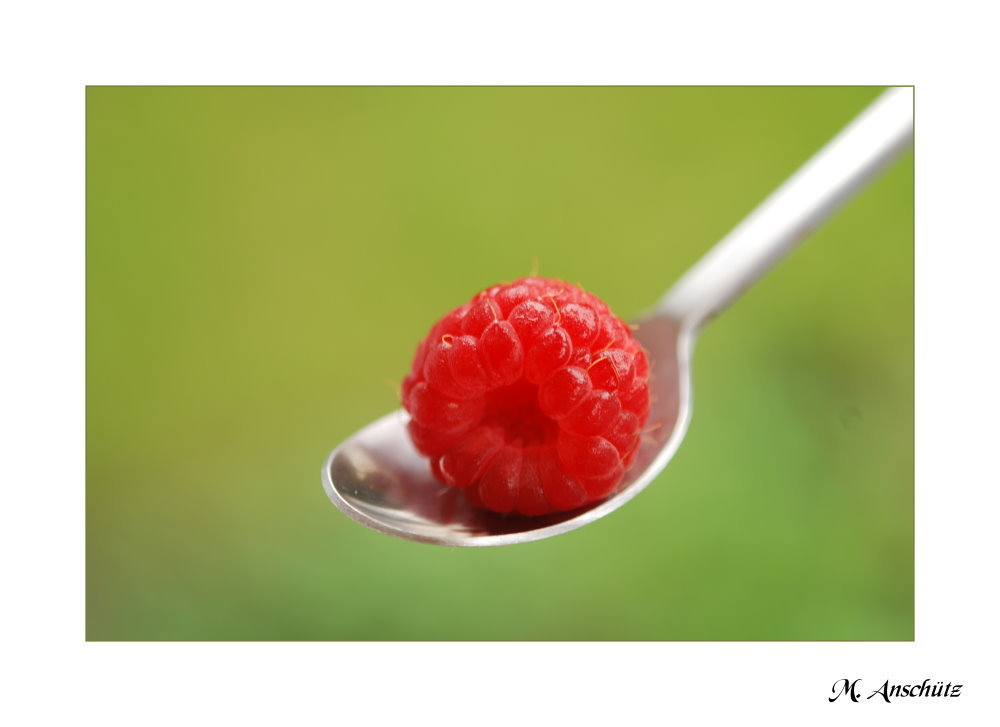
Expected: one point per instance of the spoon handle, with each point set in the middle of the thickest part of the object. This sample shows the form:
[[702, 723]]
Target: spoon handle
[[838, 170]]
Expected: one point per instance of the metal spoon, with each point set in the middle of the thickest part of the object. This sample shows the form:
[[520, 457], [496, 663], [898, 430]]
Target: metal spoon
[[378, 479]]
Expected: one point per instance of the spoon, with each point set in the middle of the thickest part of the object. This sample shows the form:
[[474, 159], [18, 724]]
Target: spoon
[[378, 479]]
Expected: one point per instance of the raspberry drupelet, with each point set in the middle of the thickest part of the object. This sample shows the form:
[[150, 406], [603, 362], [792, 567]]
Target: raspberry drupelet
[[530, 398]]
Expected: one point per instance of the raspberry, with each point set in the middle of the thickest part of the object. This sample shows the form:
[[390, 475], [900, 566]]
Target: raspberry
[[530, 398]]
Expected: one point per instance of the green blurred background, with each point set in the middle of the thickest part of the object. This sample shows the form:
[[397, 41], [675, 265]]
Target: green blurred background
[[261, 263]]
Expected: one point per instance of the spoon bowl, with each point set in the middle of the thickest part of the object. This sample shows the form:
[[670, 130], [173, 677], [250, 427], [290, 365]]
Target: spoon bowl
[[378, 479]]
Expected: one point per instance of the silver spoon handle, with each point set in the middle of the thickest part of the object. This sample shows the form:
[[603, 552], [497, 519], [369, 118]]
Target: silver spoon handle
[[838, 170]]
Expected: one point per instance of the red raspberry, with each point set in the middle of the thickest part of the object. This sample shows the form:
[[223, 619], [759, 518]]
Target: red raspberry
[[530, 398]]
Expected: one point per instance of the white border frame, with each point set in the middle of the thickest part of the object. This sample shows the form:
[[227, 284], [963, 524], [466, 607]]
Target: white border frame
[[51, 51]]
